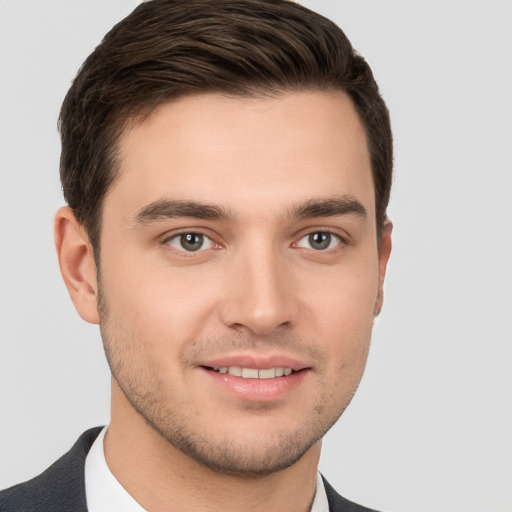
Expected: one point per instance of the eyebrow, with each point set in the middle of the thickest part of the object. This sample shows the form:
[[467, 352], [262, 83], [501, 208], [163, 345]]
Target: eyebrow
[[172, 209], [332, 207]]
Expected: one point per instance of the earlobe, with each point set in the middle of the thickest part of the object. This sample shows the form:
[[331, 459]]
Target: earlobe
[[384, 253], [77, 266]]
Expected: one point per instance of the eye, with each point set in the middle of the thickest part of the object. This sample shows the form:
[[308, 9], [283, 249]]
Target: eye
[[190, 242], [319, 241]]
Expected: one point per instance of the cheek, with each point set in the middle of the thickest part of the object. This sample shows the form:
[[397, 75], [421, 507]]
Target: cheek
[[158, 306], [345, 299], [343, 318]]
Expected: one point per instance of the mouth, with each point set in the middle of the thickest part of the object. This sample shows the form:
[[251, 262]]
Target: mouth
[[253, 373], [256, 377], [256, 381]]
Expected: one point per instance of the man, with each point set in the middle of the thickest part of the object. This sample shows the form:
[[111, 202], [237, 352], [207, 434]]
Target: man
[[227, 168]]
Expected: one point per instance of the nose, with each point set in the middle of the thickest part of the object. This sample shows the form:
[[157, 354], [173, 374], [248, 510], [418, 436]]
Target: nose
[[259, 296]]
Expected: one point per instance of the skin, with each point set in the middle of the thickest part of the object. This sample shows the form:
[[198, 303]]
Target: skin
[[257, 288]]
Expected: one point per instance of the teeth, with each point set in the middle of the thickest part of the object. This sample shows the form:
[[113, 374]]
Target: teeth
[[235, 370], [267, 374], [254, 373], [250, 373]]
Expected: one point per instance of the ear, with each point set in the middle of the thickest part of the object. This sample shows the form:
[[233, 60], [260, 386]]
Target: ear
[[384, 252], [77, 264]]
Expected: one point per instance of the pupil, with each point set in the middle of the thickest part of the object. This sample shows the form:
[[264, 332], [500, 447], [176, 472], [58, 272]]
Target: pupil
[[191, 241], [320, 240]]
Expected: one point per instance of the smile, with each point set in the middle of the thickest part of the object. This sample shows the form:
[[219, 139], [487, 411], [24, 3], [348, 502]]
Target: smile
[[254, 373], [254, 379]]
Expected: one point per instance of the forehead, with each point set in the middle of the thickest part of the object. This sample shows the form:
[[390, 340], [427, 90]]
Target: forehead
[[245, 152]]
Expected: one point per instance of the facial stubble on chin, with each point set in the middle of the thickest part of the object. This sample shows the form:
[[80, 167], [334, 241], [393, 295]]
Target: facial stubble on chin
[[255, 454]]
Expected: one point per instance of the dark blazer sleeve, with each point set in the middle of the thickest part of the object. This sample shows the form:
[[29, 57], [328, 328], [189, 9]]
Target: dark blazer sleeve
[[338, 503], [61, 488]]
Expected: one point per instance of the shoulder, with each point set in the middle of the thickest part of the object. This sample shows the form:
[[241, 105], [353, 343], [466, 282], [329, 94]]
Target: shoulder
[[338, 503], [60, 487]]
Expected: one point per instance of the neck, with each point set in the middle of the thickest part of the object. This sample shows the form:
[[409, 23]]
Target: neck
[[161, 477]]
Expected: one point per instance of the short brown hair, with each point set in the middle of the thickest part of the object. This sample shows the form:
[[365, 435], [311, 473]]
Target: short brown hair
[[169, 48]]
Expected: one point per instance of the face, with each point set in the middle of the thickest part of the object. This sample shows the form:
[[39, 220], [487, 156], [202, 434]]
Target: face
[[240, 274]]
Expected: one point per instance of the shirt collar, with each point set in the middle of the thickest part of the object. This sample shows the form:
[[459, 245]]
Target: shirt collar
[[104, 493], [102, 490]]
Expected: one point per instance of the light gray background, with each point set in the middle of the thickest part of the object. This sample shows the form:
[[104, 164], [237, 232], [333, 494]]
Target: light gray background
[[431, 427]]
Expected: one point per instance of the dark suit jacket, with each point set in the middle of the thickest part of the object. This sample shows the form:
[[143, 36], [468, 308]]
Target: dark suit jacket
[[61, 488]]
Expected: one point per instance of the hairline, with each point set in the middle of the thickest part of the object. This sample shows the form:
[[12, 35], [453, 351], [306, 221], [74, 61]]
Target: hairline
[[141, 114]]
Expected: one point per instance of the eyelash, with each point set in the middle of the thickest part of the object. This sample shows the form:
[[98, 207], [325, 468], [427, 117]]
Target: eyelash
[[331, 237], [178, 238]]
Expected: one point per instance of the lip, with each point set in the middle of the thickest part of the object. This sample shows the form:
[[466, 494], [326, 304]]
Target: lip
[[260, 362], [255, 390]]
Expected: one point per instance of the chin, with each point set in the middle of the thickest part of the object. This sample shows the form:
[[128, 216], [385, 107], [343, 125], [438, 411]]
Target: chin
[[253, 449], [250, 455]]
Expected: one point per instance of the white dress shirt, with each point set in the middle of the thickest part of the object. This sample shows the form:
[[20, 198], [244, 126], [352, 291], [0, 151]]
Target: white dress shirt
[[105, 494]]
